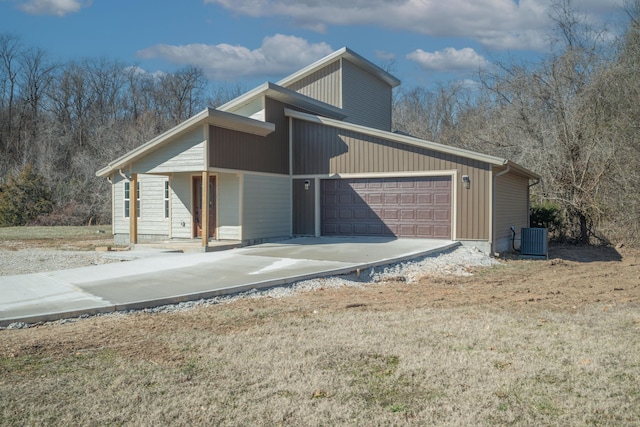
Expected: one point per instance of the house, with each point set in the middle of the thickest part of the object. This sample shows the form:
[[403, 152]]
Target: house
[[313, 155]]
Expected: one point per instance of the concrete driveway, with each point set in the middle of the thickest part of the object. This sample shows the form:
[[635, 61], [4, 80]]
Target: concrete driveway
[[174, 277]]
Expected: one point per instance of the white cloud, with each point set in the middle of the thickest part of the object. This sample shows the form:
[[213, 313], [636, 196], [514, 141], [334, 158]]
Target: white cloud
[[385, 56], [53, 7], [449, 60], [497, 24], [278, 55]]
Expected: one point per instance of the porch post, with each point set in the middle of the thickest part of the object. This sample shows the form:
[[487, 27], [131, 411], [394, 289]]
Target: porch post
[[133, 209], [205, 209]]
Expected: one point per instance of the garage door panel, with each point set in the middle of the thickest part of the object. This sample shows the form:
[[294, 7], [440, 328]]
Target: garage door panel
[[425, 199], [402, 207], [375, 198], [408, 199]]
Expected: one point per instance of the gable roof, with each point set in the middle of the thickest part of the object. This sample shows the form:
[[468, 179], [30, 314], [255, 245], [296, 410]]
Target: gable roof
[[286, 96], [409, 140], [345, 53], [208, 116]]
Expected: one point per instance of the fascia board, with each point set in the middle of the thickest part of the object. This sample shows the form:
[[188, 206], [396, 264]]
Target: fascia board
[[209, 116], [245, 98], [289, 96], [347, 53], [285, 95]]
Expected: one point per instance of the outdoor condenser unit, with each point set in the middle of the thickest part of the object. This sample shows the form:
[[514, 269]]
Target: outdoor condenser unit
[[533, 243]]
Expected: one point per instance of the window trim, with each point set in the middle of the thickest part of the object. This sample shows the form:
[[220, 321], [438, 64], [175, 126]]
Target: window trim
[[167, 199], [127, 199]]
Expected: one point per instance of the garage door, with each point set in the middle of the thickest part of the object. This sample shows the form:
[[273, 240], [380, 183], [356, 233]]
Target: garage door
[[401, 207]]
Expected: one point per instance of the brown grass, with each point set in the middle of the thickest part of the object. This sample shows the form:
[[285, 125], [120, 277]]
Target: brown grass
[[60, 237], [527, 343]]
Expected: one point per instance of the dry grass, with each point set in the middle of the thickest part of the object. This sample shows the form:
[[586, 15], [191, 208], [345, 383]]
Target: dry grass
[[528, 343], [61, 237]]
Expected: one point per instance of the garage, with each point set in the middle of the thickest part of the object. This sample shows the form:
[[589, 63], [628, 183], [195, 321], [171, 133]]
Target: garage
[[417, 207]]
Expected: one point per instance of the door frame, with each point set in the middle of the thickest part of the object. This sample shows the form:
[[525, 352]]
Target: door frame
[[196, 203]]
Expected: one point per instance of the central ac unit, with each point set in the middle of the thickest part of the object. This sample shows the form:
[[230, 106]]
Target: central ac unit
[[533, 243]]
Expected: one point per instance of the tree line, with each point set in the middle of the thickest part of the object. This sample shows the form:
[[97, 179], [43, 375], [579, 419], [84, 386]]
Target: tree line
[[64, 121], [572, 116]]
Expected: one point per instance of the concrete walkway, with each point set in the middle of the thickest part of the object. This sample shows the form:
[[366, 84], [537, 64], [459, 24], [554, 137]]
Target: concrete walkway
[[174, 277]]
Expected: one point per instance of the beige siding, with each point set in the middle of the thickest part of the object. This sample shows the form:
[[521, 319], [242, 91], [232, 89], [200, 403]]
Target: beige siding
[[511, 209], [151, 221], [365, 99], [181, 219], [185, 154], [120, 223], [322, 150], [323, 85], [228, 204], [266, 207]]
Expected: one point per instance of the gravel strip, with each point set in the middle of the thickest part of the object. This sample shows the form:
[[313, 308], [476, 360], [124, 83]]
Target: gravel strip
[[26, 261], [454, 262]]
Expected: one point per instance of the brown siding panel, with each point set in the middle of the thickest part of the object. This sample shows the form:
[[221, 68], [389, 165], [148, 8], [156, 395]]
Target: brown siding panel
[[365, 98], [303, 208], [231, 149], [323, 150], [323, 85]]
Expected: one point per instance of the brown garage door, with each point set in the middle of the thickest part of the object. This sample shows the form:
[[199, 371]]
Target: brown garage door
[[402, 207]]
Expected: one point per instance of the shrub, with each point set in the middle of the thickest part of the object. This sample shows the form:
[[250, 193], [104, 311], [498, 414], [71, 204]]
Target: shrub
[[547, 215], [24, 198]]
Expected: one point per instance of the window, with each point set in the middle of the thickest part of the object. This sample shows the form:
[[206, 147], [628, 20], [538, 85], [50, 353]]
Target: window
[[166, 199], [127, 198]]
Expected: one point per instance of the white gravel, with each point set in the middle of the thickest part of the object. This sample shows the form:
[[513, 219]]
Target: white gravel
[[455, 262], [26, 261]]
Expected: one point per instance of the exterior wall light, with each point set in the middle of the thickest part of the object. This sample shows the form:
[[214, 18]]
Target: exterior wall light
[[466, 181]]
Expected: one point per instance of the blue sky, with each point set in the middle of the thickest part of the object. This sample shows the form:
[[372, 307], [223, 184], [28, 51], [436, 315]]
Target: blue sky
[[251, 41]]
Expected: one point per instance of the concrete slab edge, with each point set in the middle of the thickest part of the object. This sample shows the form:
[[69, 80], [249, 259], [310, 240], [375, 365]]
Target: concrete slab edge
[[176, 299]]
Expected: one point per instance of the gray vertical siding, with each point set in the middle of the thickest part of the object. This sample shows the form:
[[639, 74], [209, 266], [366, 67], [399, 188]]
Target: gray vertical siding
[[365, 99], [511, 208], [304, 208], [323, 150], [236, 150], [266, 207], [324, 85]]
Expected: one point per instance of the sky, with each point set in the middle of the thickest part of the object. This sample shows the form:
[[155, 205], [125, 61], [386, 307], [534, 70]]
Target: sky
[[248, 42]]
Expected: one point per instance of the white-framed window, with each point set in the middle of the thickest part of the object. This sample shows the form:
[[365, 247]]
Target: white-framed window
[[166, 199], [127, 198]]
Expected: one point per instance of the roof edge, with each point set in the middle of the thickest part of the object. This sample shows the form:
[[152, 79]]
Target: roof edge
[[349, 54], [409, 140], [208, 115], [283, 94]]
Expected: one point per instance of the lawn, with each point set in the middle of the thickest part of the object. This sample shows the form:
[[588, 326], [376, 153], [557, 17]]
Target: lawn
[[524, 343]]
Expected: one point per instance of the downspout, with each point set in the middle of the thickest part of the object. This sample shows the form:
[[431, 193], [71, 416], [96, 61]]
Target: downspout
[[536, 182], [493, 202], [122, 174]]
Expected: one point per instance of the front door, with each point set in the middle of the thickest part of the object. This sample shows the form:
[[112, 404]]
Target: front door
[[197, 202]]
